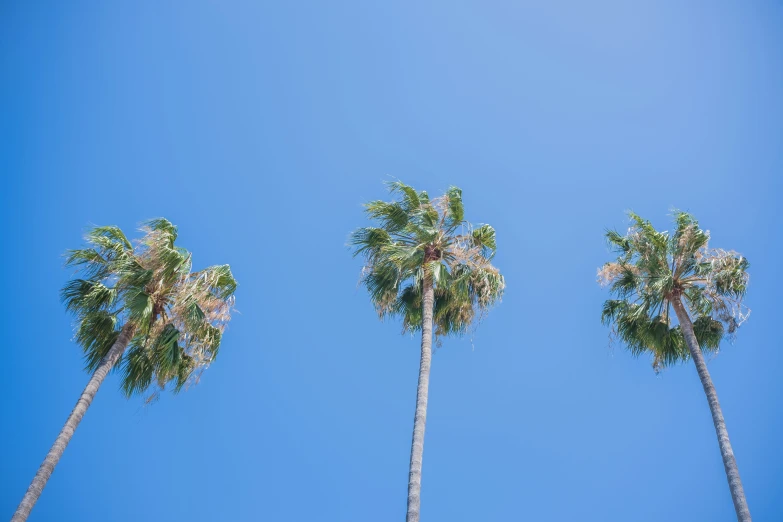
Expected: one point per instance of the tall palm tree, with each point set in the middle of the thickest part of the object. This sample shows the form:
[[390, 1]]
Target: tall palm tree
[[143, 306], [427, 265], [657, 272]]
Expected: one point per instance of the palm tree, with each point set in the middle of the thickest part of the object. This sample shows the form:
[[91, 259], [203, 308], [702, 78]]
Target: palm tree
[[143, 306], [657, 272], [427, 265]]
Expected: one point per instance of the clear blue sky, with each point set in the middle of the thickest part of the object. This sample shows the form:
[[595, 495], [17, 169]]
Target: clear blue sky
[[259, 129]]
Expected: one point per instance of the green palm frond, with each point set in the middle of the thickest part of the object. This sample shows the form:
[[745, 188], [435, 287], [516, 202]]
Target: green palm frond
[[454, 212], [109, 240], [84, 296], [96, 332], [410, 199], [483, 237], [370, 241], [165, 227], [452, 314], [218, 280], [140, 307], [416, 238], [89, 262], [187, 365], [391, 216], [178, 315], [619, 243], [138, 368], [654, 267]]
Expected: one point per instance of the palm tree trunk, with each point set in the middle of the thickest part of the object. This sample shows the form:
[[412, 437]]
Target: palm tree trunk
[[417, 446], [729, 463], [46, 469]]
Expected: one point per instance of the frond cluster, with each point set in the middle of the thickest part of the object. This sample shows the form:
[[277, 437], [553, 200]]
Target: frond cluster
[[416, 239], [178, 316], [652, 269]]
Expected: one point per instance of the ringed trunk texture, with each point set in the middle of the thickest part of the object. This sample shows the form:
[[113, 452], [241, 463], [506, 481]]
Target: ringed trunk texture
[[420, 419], [46, 469], [729, 462]]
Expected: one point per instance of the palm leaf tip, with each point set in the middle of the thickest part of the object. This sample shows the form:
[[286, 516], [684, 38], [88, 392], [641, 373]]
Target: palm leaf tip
[[411, 200]]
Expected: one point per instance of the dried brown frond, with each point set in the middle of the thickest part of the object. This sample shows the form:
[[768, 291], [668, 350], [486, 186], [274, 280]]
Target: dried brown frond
[[608, 273]]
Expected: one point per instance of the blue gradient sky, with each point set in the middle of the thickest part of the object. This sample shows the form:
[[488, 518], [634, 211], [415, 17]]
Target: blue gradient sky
[[260, 128]]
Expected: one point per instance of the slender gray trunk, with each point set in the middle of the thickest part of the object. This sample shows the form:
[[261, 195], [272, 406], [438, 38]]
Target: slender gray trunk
[[417, 446], [729, 463], [46, 469]]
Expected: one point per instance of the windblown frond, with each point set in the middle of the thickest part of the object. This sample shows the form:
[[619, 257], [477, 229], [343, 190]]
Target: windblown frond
[[178, 315], [96, 333]]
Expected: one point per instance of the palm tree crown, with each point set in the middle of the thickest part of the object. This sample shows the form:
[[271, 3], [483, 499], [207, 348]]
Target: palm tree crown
[[652, 269], [177, 316], [419, 238]]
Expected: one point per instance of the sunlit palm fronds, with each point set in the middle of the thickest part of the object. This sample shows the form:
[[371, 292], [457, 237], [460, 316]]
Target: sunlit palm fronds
[[652, 268], [416, 238], [178, 315]]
